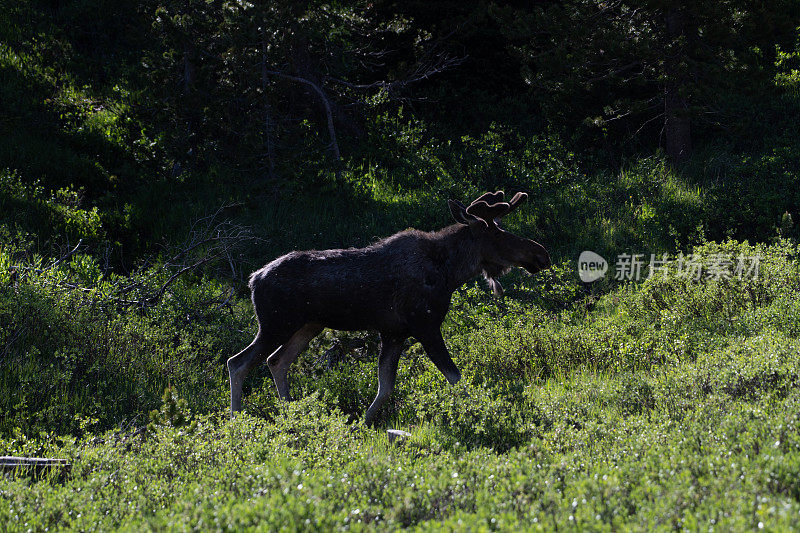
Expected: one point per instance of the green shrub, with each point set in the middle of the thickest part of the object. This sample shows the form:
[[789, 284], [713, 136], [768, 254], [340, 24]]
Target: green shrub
[[26, 207], [478, 416]]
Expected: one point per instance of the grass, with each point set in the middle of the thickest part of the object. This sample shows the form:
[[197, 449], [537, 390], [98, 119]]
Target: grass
[[603, 461]]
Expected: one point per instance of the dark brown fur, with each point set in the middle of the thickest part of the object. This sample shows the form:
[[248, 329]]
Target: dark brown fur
[[400, 286]]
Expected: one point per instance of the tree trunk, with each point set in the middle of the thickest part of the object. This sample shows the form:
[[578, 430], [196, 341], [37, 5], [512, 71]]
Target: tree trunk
[[188, 67], [268, 142], [677, 122], [189, 107], [677, 125]]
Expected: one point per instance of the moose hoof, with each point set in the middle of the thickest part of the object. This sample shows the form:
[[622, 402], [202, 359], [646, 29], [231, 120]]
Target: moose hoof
[[453, 378]]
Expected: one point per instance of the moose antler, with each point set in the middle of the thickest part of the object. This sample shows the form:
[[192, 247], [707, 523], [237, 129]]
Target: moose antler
[[490, 206], [490, 197], [518, 199]]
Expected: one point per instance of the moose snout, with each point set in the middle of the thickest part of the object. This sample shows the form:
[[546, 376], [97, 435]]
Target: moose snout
[[538, 258]]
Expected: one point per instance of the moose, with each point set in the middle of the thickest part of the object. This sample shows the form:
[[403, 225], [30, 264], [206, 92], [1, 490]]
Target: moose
[[400, 287]]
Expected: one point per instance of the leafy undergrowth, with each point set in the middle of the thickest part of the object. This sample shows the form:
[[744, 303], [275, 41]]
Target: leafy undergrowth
[[604, 460], [672, 403]]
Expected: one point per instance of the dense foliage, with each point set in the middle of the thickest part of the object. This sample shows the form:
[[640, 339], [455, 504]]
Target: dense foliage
[[670, 405], [156, 152]]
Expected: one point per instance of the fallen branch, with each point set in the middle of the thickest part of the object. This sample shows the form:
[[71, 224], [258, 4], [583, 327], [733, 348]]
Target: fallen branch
[[219, 238], [34, 465]]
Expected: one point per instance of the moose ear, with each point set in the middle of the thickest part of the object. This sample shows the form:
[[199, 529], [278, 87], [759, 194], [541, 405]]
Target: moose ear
[[459, 212]]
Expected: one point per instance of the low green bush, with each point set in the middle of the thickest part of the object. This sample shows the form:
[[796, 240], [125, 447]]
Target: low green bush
[[728, 464], [77, 348]]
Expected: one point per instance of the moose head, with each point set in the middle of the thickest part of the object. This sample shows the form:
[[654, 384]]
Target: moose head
[[499, 250]]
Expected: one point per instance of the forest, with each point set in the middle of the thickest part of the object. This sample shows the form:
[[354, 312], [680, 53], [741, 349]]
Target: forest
[[155, 153]]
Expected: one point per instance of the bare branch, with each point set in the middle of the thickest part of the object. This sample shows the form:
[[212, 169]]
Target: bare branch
[[217, 240], [325, 102], [67, 255], [423, 71]]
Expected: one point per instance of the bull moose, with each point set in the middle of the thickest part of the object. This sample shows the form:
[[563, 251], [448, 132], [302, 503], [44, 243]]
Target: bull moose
[[400, 286]]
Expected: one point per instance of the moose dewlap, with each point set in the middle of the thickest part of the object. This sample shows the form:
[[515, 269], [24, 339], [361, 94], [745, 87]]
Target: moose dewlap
[[400, 286]]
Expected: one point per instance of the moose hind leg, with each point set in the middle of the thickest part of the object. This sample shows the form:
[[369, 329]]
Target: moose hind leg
[[391, 349], [280, 361], [243, 362]]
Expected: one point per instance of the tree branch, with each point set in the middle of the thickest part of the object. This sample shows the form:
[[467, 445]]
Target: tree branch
[[325, 102]]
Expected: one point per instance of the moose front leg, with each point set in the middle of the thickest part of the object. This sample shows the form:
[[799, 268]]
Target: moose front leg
[[434, 346], [391, 349]]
